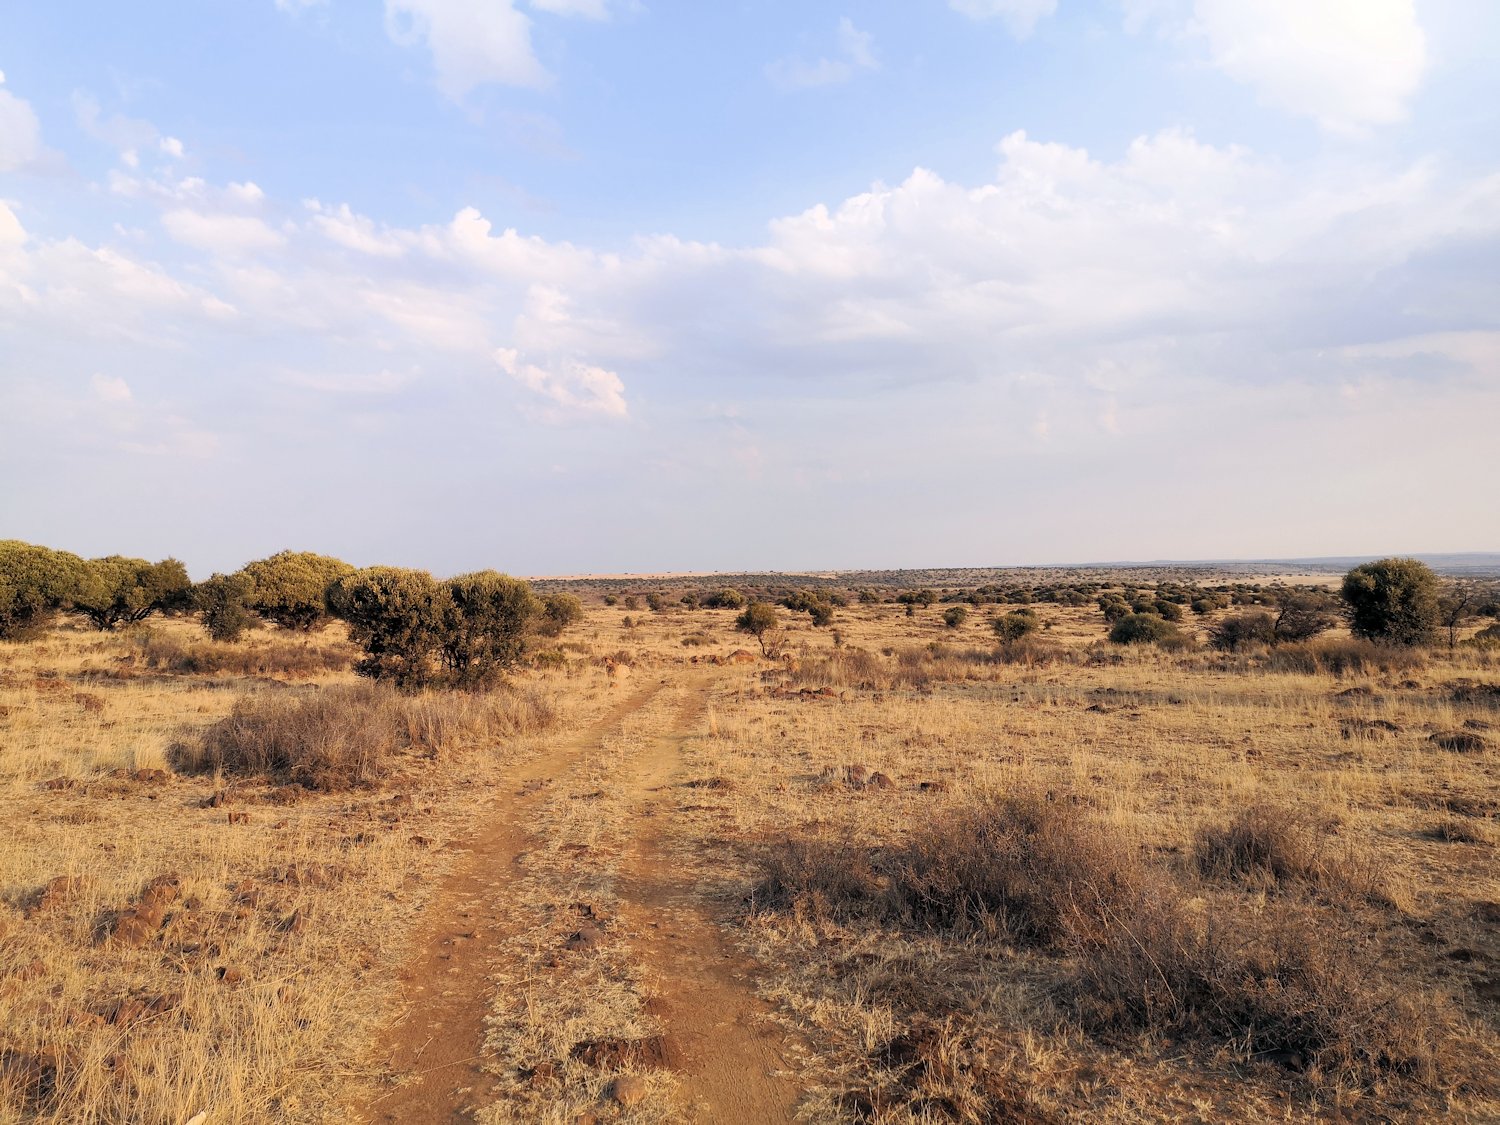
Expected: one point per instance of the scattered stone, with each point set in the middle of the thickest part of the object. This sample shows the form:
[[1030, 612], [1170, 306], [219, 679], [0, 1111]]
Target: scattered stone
[[1478, 724], [881, 781], [219, 799], [627, 1090], [295, 923], [740, 656], [239, 818], [56, 784], [938, 786], [230, 975], [151, 777], [856, 774], [540, 1074]]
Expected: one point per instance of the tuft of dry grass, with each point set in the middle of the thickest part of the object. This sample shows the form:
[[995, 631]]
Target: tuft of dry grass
[[352, 734]]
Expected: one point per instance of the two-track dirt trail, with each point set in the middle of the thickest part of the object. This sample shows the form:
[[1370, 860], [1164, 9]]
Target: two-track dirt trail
[[727, 1056], [433, 1048], [731, 1057]]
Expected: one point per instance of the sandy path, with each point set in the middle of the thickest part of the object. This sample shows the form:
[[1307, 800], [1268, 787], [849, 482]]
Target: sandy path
[[436, 1040], [730, 1058]]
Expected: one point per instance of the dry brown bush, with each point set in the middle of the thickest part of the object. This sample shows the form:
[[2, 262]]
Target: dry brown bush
[[1343, 656], [1303, 984], [352, 735], [161, 652]]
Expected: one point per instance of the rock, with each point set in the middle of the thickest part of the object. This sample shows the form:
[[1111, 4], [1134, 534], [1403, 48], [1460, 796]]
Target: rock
[[586, 937], [54, 894], [239, 818], [230, 975], [58, 783], [881, 781], [857, 774], [295, 923], [740, 656], [938, 786], [162, 891], [134, 929], [218, 800], [540, 1074], [151, 777], [627, 1090], [33, 1075]]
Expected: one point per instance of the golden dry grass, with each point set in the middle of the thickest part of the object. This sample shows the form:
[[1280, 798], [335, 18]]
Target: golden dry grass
[[885, 1018]]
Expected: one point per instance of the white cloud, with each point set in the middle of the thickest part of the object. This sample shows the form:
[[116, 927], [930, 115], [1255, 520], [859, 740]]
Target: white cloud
[[856, 52], [572, 386], [12, 233], [1020, 16], [110, 388], [588, 9], [20, 132], [221, 233], [1349, 64], [171, 146], [472, 44]]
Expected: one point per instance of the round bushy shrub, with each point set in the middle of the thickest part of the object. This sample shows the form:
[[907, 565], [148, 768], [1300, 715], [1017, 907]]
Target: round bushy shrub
[[1145, 628], [1392, 600]]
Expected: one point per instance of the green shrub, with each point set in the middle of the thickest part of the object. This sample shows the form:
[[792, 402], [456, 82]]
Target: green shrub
[[290, 587], [398, 617], [954, 616], [1243, 631], [1146, 628], [558, 612], [485, 619], [223, 603], [118, 591], [725, 599], [1394, 601], [1013, 626], [35, 583]]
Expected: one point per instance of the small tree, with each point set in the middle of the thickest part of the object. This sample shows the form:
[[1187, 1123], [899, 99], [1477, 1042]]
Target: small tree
[[35, 583], [759, 619], [290, 587], [954, 616], [118, 591], [1455, 607], [1392, 600], [398, 616], [725, 599], [223, 603], [485, 619], [1302, 614]]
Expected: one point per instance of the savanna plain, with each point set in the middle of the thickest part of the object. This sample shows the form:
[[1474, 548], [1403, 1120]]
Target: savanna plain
[[924, 848]]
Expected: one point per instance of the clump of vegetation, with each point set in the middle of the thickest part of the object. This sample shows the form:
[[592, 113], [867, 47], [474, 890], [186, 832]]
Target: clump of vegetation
[[761, 622], [1243, 631], [36, 583], [954, 616], [1013, 626], [1146, 628], [116, 591], [353, 735], [485, 618], [397, 616], [1394, 601], [290, 587], [223, 605]]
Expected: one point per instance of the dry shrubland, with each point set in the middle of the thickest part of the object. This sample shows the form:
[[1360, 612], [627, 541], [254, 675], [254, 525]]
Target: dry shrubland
[[1046, 878]]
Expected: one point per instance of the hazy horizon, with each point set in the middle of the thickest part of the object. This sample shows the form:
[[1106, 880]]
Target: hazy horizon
[[612, 286]]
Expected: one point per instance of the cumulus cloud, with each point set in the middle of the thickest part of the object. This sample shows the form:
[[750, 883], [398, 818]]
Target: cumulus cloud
[[221, 233], [471, 44], [1349, 64], [1020, 16], [572, 385], [110, 388], [20, 132], [855, 53]]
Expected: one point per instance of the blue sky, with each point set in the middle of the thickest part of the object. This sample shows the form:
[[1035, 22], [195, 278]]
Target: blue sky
[[616, 285]]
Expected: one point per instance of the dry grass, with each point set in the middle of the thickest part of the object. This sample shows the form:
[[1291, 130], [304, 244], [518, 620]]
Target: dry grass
[[1260, 889]]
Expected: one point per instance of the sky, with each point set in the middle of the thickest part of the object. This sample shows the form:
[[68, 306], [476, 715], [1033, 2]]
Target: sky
[[608, 286]]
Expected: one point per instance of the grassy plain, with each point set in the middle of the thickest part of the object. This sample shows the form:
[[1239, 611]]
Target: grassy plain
[[712, 873]]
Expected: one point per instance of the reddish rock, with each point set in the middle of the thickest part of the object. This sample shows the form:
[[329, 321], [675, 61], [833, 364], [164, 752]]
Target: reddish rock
[[58, 783], [55, 894], [627, 1090], [857, 774], [218, 800], [230, 975], [586, 937], [239, 818], [881, 781]]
